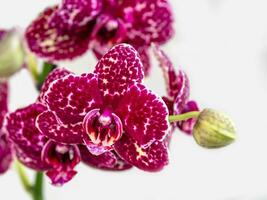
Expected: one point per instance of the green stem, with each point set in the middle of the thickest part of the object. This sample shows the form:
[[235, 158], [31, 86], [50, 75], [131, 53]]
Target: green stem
[[23, 177], [36, 190], [47, 68], [38, 187], [182, 117]]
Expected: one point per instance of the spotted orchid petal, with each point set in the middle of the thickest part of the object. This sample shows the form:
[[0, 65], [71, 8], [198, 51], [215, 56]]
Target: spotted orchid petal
[[188, 125], [28, 141], [46, 40], [177, 84], [5, 145], [72, 97], [117, 70], [62, 159], [152, 22], [152, 159], [107, 161], [54, 75], [5, 153], [145, 58], [3, 101], [76, 14], [50, 126], [144, 115]]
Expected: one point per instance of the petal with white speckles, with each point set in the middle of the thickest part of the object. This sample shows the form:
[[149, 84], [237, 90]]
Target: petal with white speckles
[[152, 159], [51, 127], [117, 70], [107, 161], [144, 115], [54, 75], [72, 97], [46, 40]]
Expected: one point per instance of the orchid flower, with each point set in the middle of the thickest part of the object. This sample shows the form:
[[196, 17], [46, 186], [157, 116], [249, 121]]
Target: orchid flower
[[68, 30], [109, 110]]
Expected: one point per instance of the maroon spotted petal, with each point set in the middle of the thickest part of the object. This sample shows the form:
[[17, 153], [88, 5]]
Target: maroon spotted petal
[[76, 14], [50, 126], [28, 141], [31, 160], [107, 161], [144, 55], [54, 75], [144, 115], [72, 97], [183, 94], [46, 40], [152, 22], [188, 125], [117, 70], [62, 159], [5, 153], [152, 159], [3, 101], [22, 131], [178, 88]]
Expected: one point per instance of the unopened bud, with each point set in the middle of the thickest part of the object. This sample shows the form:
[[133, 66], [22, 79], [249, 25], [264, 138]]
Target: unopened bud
[[213, 129], [12, 53]]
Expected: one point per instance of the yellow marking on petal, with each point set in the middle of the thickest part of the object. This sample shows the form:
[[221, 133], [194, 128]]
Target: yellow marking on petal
[[140, 152]]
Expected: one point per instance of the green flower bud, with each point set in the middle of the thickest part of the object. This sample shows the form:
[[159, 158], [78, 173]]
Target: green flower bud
[[213, 129], [12, 54]]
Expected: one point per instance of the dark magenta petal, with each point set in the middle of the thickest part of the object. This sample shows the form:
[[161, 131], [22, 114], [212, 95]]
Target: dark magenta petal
[[46, 40], [3, 101], [54, 75], [50, 126], [176, 83], [5, 153], [107, 161], [152, 22], [183, 94], [72, 97], [22, 131], [152, 159], [144, 115], [187, 125], [76, 14], [144, 55], [59, 178], [32, 160], [62, 159], [117, 70]]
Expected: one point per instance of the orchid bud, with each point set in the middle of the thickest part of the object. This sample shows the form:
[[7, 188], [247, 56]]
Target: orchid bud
[[12, 53], [213, 129]]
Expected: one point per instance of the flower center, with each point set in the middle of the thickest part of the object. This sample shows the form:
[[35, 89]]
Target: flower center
[[104, 128], [60, 155]]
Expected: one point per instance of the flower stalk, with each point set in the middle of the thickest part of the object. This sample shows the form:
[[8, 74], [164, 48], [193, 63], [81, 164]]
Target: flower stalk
[[36, 189], [184, 116]]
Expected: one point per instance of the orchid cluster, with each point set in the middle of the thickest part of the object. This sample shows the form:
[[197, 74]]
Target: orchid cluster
[[107, 118]]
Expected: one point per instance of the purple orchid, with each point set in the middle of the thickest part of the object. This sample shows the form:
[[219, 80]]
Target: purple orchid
[[71, 28], [5, 145], [178, 92], [110, 112], [36, 151]]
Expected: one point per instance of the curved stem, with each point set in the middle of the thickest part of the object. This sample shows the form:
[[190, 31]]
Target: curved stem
[[182, 117], [23, 177], [38, 187]]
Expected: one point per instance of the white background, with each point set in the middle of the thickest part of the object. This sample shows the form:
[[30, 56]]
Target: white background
[[222, 44]]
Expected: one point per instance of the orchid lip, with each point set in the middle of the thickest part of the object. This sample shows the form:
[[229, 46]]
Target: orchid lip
[[103, 127]]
